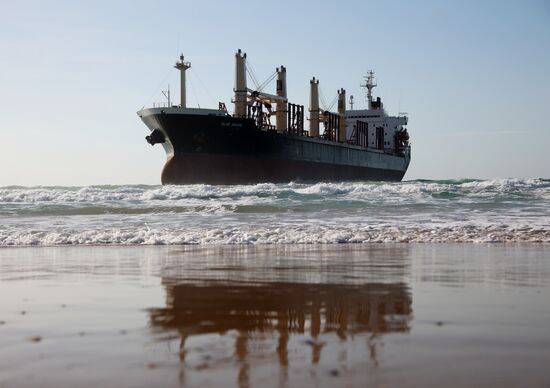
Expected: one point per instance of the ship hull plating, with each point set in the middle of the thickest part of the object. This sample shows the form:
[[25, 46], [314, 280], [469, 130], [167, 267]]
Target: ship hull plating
[[216, 149], [231, 169]]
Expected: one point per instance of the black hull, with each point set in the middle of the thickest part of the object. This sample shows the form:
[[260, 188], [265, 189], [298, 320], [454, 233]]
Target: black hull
[[232, 169], [225, 150]]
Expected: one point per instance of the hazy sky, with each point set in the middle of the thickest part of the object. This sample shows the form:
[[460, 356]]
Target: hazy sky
[[474, 77]]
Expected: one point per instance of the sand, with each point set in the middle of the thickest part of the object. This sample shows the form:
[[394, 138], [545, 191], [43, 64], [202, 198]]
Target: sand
[[380, 315]]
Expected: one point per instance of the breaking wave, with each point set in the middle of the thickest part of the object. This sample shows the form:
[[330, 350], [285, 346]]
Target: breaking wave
[[321, 234], [498, 210]]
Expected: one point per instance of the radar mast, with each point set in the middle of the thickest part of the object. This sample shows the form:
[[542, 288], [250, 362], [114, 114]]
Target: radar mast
[[369, 84]]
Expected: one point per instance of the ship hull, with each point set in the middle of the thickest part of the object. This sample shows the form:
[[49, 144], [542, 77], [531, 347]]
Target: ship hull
[[216, 149], [188, 168]]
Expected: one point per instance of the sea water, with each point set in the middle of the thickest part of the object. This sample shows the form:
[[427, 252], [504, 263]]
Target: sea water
[[499, 210]]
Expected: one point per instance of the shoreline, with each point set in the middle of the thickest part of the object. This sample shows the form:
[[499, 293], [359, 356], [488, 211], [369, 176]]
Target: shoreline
[[313, 244]]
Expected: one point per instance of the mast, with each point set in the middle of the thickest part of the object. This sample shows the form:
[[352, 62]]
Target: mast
[[166, 94], [342, 113], [314, 108], [281, 113], [369, 84], [240, 84], [182, 66]]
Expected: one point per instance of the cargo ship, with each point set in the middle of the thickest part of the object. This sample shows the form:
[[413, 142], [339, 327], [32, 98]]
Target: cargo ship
[[212, 146]]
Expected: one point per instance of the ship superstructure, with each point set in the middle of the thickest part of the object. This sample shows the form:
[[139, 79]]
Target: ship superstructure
[[372, 127], [264, 140]]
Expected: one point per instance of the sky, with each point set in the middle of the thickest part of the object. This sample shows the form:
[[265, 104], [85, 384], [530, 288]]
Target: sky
[[473, 77]]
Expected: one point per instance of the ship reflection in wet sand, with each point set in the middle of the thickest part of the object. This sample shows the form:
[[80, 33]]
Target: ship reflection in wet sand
[[272, 315], [309, 329]]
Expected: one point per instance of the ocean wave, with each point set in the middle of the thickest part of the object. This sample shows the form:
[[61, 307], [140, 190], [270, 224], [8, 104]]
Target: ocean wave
[[55, 210], [357, 190], [281, 234], [349, 212]]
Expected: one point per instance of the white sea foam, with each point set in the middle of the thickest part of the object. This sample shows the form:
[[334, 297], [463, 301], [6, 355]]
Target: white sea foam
[[416, 211], [318, 234], [95, 194]]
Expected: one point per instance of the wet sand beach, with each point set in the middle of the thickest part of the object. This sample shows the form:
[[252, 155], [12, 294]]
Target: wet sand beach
[[276, 315]]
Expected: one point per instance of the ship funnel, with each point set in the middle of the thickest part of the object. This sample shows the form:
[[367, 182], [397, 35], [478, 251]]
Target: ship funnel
[[281, 114], [182, 66], [342, 113], [240, 84], [314, 108]]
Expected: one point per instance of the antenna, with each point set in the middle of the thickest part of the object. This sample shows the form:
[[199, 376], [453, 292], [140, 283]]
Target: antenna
[[369, 84], [400, 113], [167, 95]]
